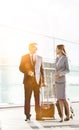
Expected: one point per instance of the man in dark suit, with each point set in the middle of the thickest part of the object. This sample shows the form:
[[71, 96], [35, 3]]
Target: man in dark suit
[[32, 67]]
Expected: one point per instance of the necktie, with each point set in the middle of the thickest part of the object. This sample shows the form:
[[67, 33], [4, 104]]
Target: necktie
[[33, 60], [33, 63]]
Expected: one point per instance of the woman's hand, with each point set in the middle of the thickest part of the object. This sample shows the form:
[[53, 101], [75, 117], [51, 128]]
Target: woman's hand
[[56, 76]]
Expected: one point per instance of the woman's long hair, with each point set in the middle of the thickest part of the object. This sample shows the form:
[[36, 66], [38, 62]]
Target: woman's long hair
[[62, 48]]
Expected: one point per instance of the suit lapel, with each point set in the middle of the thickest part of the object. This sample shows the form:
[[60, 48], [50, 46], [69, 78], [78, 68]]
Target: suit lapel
[[59, 60]]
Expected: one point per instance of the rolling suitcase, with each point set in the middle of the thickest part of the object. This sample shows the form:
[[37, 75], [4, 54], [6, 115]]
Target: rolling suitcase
[[47, 110]]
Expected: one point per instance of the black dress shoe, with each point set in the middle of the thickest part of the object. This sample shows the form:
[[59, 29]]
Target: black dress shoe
[[71, 116], [66, 119], [61, 120], [28, 118]]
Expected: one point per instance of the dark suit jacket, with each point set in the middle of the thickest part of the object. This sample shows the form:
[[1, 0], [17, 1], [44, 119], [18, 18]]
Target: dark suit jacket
[[26, 66]]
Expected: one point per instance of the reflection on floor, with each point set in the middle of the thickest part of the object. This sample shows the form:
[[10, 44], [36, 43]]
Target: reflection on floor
[[14, 119]]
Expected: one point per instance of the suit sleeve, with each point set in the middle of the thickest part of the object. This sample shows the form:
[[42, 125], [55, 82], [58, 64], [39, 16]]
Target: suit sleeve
[[23, 67], [66, 70]]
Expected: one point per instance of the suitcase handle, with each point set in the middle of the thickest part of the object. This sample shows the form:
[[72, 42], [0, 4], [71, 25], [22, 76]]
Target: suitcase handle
[[42, 95]]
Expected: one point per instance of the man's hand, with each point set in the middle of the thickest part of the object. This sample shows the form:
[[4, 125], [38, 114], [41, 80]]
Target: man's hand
[[31, 73], [43, 84]]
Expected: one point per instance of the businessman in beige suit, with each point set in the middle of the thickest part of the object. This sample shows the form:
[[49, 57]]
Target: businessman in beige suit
[[32, 67]]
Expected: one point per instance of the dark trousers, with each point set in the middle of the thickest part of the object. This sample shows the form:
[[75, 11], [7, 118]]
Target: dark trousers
[[29, 87]]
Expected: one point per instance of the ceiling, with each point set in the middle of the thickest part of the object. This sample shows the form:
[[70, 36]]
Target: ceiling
[[56, 18]]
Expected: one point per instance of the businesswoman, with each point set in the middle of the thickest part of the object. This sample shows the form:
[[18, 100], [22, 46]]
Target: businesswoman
[[61, 69]]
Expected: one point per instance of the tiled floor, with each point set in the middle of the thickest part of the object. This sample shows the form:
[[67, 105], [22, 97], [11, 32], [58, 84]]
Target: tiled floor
[[14, 119]]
